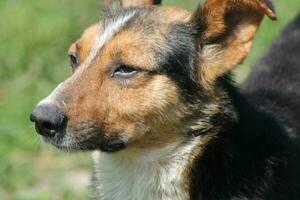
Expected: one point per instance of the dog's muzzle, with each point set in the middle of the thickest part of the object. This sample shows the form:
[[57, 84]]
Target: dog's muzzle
[[49, 120]]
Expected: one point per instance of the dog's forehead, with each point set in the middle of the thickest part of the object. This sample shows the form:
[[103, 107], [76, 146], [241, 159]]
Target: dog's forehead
[[145, 15], [140, 21]]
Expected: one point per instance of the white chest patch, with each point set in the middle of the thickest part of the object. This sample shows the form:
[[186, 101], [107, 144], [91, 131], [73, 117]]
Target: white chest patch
[[155, 176]]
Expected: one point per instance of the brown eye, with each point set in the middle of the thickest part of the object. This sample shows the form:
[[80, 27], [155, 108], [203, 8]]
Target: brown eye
[[74, 60], [124, 71]]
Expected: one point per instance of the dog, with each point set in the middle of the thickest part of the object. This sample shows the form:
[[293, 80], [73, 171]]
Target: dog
[[151, 95]]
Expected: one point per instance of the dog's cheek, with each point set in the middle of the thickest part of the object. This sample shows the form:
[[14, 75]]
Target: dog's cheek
[[151, 114]]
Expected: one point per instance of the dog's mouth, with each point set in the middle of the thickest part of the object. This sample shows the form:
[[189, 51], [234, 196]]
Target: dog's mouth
[[86, 140]]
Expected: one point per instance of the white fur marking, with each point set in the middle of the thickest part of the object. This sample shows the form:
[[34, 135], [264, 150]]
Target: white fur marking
[[108, 33], [156, 175], [51, 99]]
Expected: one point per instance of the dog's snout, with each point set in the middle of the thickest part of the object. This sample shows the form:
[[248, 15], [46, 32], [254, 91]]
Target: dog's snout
[[49, 120]]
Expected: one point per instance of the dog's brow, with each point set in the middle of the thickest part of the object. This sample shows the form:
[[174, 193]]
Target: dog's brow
[[110, 30]]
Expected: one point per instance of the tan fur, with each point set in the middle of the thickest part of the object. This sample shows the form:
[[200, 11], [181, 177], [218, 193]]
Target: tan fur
[[235, 23]]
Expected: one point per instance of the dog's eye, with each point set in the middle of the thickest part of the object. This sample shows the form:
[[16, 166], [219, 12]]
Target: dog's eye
[[124, 71], [74, 60]]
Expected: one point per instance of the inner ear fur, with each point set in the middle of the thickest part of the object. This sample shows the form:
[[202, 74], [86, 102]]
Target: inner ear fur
[[226, 29], [133, 3]]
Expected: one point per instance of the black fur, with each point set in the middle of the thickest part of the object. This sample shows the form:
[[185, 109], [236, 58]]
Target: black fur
[[112, 144], [252, 159], [275, 81], [155, 2], [179, 57], [258, 156]]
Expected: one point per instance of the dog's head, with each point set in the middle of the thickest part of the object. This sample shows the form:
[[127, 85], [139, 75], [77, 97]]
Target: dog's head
[[145, 76]]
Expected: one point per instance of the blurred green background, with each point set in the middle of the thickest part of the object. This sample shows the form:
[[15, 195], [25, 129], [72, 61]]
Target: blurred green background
[[34, 38]]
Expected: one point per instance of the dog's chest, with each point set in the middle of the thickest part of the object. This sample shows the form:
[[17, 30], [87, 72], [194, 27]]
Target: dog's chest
[[118, 178]]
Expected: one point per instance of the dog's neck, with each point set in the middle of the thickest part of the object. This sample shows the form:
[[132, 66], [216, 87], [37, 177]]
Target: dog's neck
[[186, 170], [241, 160], [156, 174]]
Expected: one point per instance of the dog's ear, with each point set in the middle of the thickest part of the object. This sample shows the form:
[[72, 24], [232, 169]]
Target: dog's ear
[[133, 3], [225, 31]]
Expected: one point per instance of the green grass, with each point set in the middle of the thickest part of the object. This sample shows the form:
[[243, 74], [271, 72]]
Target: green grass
[[34, 39]]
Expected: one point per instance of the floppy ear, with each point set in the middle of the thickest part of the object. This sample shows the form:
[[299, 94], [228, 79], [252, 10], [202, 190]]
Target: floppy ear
[[134, 3], [226, 29]]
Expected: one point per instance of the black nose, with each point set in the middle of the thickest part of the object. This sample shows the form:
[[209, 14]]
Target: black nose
[[48, 119]]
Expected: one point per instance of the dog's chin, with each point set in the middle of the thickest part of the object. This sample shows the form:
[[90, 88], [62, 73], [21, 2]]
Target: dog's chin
[[69, 143]]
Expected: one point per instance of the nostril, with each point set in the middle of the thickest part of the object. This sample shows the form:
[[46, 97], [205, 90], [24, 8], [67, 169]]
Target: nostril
[[49, 129], [48, 126]]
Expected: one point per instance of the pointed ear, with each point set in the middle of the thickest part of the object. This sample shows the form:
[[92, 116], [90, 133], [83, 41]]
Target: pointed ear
[[226, 29], [133, 3]]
